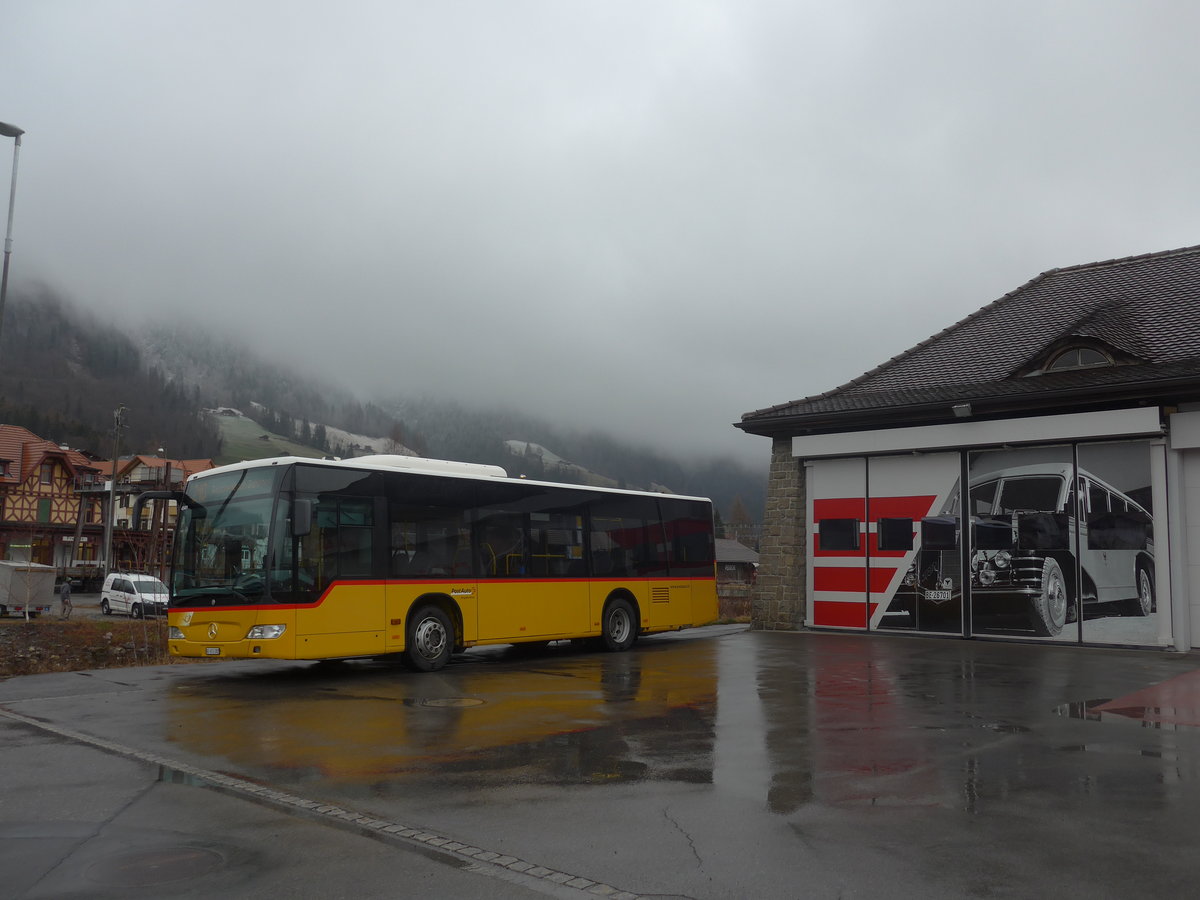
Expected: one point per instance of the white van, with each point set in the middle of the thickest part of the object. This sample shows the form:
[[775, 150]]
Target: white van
[[137, 595]]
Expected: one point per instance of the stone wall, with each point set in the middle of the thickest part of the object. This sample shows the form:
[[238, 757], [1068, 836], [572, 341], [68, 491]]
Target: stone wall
[[779, 594]]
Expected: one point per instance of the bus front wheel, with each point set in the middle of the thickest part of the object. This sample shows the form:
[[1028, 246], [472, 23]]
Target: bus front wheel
[[620, 626], [430, 639]]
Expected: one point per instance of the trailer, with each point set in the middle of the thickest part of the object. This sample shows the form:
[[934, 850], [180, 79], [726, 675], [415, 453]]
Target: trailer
[[26, 587]]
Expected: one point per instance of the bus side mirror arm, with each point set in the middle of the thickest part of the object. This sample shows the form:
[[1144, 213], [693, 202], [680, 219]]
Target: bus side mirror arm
[[140, 501], [302, 517]]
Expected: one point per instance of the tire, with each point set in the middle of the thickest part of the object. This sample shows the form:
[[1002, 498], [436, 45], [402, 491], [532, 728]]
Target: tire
[[105, 609], [619, 626], [135, 611], [1049, 613], [429, 639], [1143, 604]]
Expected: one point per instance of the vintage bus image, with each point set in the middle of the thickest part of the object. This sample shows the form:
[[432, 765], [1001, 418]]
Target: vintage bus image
[[293, 558], [1022, 556]]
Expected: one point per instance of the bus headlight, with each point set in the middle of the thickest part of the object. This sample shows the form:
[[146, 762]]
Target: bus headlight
[[265, 632], [1002, 560], [174, 634], [987, 575]]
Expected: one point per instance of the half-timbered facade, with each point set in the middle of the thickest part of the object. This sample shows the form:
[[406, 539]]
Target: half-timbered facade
[[45, 519]]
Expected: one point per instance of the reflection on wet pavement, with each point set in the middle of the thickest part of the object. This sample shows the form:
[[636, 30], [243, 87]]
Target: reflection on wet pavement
[[773, 720], [570, 718]]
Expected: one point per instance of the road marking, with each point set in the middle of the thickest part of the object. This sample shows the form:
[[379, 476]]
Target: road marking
[[481, 861]]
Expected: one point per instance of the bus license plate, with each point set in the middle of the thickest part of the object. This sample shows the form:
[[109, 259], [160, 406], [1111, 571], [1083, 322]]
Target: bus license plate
[[212, 651], [935, 596]]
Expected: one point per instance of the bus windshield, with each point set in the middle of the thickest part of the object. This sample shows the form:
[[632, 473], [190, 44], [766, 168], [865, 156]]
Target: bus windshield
[[221, 549]]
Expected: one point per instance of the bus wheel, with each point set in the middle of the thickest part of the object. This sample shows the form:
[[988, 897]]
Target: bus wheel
[[1143, 603], [619, 629], [1050, 605], [430, 638]]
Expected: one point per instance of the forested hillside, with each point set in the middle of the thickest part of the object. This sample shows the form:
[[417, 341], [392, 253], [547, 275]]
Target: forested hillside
[[63, 372]]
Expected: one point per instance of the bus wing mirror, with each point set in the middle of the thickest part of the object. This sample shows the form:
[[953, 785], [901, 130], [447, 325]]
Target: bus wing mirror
[[302, 517]]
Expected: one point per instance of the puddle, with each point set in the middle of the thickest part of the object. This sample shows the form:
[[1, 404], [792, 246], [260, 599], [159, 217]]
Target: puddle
[[1157, 717], [452, 702], [174, 776]]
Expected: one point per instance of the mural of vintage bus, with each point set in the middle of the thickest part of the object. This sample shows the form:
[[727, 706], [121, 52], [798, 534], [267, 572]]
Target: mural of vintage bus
[[1027, 522]]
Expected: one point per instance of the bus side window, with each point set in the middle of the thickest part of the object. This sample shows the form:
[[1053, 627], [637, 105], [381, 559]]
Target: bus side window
[[502, 545], [344, 538], [611, 536], [688, 526], [556, 544]]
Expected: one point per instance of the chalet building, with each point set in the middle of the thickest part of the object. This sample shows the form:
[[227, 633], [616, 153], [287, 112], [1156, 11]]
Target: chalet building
[[736, 565], [143, 546], [1029, 473], [54, 502], [44, 518]]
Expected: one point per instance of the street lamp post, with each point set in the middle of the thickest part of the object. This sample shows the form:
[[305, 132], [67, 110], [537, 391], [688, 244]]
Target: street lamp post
[[110, 523], [15, 133]]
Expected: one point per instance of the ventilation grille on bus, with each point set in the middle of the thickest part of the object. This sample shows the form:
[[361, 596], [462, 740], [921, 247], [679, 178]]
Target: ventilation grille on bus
[[660, 595]]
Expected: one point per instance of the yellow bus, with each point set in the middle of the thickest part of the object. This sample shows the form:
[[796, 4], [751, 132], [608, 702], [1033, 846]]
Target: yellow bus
[[293, 558]]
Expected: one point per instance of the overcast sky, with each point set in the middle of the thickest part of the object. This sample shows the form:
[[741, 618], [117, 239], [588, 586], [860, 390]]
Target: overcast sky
[[646, 217]]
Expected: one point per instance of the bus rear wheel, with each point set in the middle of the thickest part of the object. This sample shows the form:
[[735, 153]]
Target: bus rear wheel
[[619, 625], [430, 639]]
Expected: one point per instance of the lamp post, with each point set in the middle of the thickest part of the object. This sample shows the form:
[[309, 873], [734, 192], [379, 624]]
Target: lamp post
[[15, 133], [110, 524]]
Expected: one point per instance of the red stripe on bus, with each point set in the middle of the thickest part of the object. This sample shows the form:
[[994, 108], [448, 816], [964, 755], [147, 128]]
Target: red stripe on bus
[[447, 584]]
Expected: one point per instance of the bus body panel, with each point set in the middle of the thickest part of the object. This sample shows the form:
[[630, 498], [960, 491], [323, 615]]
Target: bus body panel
[[506, 612], [221, 632], [520, 610], [346, 608], [705, 603]]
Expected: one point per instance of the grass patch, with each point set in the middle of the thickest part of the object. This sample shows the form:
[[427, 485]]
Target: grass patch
[[243, 438]]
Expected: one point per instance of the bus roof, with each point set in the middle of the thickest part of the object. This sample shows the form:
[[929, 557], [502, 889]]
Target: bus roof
[[419, 465]]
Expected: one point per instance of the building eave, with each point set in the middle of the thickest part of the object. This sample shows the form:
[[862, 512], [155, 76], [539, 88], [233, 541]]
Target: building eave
[[982, 406]]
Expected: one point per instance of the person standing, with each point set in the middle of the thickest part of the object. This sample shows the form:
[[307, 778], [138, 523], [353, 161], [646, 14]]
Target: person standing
[[64, 594]]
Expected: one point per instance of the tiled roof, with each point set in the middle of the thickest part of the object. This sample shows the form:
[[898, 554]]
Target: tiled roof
[[730, 551], [1147, 307], [128, 463], [25, 450]]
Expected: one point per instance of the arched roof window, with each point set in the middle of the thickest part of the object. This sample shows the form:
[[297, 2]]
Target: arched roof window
[[1078, 358]]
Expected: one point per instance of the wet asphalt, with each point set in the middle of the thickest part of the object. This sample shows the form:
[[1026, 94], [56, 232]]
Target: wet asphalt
[[716, 763]]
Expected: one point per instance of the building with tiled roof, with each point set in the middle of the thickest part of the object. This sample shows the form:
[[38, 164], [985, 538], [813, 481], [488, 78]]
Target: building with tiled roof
[[44, 518], [143, 546], [1086, 380], [55, 500]]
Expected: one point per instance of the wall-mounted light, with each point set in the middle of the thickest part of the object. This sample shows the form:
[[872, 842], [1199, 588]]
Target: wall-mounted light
[[961, 410]]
